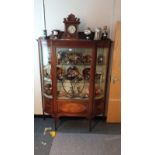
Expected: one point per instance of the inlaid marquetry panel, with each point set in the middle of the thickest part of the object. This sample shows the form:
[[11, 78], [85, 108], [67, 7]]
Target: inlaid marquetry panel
[[71, 107]]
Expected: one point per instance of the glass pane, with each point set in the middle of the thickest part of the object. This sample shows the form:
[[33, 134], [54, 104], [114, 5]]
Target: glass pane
[[100, 76], [73, 72], [46, 65]]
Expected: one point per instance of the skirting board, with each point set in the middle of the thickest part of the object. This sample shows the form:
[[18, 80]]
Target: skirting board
[[48, 116]]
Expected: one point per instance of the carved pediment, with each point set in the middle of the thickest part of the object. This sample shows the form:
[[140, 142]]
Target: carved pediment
[[71, 18]]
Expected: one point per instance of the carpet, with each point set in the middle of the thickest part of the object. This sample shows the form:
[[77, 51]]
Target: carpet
[[86, 144]]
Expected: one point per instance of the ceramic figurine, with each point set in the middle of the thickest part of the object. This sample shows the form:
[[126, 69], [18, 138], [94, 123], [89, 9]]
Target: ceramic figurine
[[98, 34], [86, 73], [105, 32], [59, 57], [48, 89], [97, 91], [59, 73], [87, 59], [54, 34], [100, 59], [47, 71], [72, 73], [87, 33], [86, 93]]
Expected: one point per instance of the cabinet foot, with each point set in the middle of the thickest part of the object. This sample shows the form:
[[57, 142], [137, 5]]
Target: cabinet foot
[[55, 124], [90, 126], [43, 116]]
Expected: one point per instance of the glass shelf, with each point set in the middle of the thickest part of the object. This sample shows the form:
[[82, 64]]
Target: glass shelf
[[48, 96], [76, 98], [99, 97], [47, 80], [72, 65], [59, 65]]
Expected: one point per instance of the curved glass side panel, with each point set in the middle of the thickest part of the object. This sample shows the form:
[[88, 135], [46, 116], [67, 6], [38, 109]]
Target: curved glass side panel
[[46, 69], [100, 76]]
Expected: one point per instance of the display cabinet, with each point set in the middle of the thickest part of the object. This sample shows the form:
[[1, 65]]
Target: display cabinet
[[74, 74]]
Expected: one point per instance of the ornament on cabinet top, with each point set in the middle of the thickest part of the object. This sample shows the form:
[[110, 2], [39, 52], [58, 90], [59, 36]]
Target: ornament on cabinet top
[[88, 33], [98, 34], [71, 27], [105, 32], [54, 34]]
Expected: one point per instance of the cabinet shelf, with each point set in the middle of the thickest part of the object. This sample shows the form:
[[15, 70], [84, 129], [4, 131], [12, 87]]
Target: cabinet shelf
[[75, 98], [60, 65], [73, 64], [99, 97], [67, 81]]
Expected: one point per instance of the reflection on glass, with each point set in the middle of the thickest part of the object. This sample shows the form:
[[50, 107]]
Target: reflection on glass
[[73, 72], [101, 67], [46, 66]]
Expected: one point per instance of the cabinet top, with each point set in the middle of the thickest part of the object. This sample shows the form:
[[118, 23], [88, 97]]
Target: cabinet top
[[81, 41], [81, 37]]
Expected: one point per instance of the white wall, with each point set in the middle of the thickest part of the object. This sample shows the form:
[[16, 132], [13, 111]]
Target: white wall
[[92, 13], [117, 10]]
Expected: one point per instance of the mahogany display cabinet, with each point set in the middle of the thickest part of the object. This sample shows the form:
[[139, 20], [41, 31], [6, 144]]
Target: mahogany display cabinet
[[74, 75]]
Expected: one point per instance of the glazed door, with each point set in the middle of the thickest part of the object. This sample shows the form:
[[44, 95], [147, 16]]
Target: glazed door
[[73, 67]]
